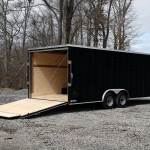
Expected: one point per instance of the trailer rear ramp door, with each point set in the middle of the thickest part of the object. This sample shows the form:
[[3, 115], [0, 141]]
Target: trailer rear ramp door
[[28, 107]]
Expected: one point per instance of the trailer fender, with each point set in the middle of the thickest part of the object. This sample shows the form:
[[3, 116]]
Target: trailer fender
[[115, 91]]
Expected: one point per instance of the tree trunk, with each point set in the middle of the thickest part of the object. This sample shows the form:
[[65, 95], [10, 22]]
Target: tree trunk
[[123, 46], [88, 31], [105, 36], [69, 18], [6, 57], [96, 34], [64, 35], [81, 34], [115, 42], [60, 22], [52, 28], [120, 40], [76, 39]]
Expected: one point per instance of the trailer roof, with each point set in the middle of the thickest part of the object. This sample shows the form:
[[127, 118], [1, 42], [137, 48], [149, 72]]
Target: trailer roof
[[60, 47]]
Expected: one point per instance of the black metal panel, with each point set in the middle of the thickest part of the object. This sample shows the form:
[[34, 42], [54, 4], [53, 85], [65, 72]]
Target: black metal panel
[[95, 71], [91, 76], [136, 75], [146, 77]]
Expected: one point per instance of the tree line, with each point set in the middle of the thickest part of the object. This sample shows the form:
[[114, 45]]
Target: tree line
[[25, 24]]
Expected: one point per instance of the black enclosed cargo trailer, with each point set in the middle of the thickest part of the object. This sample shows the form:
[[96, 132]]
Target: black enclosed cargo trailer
[[97, 75], [69, 74]]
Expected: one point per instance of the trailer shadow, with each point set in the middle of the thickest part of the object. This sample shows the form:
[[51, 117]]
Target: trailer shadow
[[84, 108], [69, 109], [137, 102]]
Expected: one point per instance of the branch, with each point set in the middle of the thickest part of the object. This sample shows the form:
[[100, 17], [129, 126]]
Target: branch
[[75, 31], [76, 7], [51, 8]]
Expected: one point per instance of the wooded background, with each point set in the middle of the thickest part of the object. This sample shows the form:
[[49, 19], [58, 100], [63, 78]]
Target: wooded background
[[28, 23]]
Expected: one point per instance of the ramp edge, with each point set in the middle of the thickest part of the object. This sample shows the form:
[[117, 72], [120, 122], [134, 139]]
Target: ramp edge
[[40, 111], [8, 115]]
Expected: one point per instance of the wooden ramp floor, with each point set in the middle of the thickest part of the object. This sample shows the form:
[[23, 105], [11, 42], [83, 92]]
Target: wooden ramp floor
[[32, 105]]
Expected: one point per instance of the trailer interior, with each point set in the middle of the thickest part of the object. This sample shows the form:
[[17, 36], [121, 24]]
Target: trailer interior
[[48, 75]]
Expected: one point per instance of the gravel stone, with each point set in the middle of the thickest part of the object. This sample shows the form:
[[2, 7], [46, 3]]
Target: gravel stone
[[78, 127]]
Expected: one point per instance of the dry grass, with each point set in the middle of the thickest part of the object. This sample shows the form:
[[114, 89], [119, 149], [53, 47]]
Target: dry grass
[[7, 89]]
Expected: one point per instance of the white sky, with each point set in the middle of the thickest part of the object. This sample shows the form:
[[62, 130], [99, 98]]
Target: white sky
[[142, 8]]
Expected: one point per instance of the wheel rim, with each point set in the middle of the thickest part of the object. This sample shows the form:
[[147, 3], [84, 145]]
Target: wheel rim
[[122, 100], [110, 101]]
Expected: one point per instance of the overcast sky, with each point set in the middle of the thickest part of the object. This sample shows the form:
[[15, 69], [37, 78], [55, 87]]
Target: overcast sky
[[142, 8]]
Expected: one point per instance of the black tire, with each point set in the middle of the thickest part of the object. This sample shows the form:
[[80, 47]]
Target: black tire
[[121, 99], [109, 101]]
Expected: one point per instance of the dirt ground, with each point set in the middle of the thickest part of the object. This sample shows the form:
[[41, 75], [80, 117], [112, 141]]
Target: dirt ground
[[7, 89], [80, 127]]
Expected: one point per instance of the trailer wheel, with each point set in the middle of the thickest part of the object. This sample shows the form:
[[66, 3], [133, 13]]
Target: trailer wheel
[[109, 100], [121, 99]]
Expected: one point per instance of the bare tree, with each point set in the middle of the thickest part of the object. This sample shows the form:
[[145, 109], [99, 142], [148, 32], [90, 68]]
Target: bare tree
[[95, 18], [10, 29], [4, 9], [60, 21], [105, 23], [69, 8], [26, 10], [120, 8], [42, 29]]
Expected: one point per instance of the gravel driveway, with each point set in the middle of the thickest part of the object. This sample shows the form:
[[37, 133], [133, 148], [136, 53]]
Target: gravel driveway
[[80, 127]]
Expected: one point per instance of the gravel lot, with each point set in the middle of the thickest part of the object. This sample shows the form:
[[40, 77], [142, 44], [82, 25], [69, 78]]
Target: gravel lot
[[80, 127]]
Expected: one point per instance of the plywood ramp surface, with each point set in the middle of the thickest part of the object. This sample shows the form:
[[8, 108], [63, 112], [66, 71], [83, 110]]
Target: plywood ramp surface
[[27, 106], [58, 97]]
